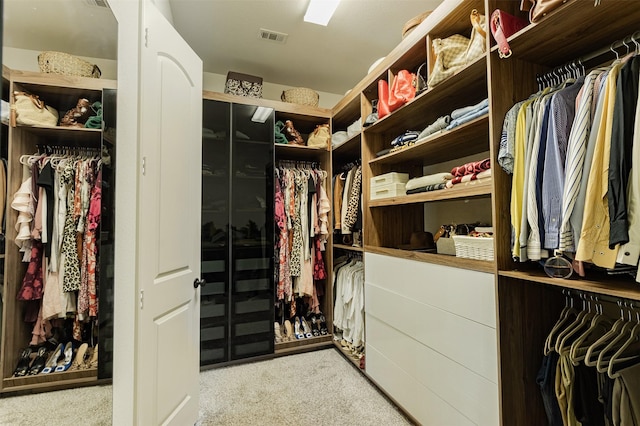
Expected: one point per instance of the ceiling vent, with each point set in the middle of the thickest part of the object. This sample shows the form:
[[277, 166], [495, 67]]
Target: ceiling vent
[[98, 3], [270, 35]]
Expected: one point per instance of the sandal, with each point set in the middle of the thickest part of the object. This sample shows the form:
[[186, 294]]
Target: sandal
[[23, 363]]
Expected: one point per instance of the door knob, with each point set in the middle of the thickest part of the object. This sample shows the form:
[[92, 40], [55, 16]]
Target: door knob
[[199, 282]]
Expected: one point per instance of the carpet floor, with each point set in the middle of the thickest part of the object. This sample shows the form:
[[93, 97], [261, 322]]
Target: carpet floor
[[314, 388]]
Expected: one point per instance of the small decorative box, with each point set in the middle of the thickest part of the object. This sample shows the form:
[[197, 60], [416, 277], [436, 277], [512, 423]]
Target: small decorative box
[[389, 190], [243, 85], [389, 178]]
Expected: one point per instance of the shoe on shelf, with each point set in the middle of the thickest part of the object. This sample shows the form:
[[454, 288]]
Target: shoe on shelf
[[23, 363], [278, 332], [38, 364], [93, 361], [52, 362], [323, 325], [315, 326], [79, 359], [288, 331], [306, 329], [298, 328], [65, 362]]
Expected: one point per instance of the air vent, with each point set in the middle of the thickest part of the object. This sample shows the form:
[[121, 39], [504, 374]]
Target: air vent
[[98, 3], [274, 36]]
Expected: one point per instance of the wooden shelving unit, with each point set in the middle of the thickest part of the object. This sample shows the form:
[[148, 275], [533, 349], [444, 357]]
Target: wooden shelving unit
[[474, 189]]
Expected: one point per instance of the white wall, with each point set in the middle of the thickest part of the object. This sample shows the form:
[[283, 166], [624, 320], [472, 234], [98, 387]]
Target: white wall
[[27, 60]]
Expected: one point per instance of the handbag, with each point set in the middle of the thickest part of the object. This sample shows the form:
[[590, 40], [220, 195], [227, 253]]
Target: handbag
[[30, 110], [538, 9], [320, 137], [383, 98], [292, 135], [402, 90], [420, 81], [455, 52], [503, 26]]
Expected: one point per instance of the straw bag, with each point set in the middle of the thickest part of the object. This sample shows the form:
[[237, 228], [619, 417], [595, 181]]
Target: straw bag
[[30, 110], [455, 52], [301, 96], [65, 64], [320, 137]]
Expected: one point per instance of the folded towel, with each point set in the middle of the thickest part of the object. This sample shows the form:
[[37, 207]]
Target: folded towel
[[433, 179], [434, 127], [427, 188], [470, 168], [457, 113]]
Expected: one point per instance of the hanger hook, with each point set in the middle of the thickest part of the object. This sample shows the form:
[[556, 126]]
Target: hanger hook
[[614, 51]]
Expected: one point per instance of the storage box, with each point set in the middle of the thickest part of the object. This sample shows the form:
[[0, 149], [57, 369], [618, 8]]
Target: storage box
[[446, 246], [243, 85], [480, 248], [386, 191], [389, 178]]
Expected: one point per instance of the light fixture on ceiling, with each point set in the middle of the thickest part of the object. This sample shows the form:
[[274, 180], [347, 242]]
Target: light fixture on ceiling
[[261, 114], [320, 11]]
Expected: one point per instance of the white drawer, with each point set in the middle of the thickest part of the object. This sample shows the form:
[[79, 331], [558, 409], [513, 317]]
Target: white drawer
[[386, 191], [389, 178]]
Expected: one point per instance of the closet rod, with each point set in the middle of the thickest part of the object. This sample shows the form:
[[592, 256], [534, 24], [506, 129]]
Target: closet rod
[[615, 45]]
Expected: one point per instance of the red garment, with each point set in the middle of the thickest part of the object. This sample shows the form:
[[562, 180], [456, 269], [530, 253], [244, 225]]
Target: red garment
[[33, 281], [471, 168]]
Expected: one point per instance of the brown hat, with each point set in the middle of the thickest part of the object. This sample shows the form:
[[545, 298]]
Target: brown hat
[[419, 241]]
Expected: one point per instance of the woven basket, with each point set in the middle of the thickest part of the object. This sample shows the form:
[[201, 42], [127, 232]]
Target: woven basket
[[480, 248], [301, 95], [66, 64], [414, 22]]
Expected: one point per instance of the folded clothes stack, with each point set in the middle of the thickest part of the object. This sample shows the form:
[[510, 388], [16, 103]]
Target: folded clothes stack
[[428, 183], [435, 127], [475, 170], [466, 114]]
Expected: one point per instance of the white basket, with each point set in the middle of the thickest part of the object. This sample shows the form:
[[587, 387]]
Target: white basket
[[479, 248]]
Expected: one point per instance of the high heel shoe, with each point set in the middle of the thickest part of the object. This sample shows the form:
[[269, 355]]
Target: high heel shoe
[[298, 329], [79, 360], [52, 362], [65, 362], [323, 325], [23, 363], [38, 364], [288, 331], [315, 326], [277, 332], [93, 362], [306, 329]]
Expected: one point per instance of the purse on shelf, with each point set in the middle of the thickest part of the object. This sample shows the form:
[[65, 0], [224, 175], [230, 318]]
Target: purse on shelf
[[503, 26], [538, 9], [383, 98], [30, 110], [402, 90], [78, 116], [292, 135], [320, 137], [455, 52], [420, 81]]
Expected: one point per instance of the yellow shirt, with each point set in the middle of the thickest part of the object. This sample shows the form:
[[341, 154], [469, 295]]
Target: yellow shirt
[[594, 236], [519, 170]]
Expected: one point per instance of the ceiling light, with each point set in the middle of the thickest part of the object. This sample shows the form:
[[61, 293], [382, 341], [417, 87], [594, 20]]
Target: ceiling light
[[320, 11], [261, 114]]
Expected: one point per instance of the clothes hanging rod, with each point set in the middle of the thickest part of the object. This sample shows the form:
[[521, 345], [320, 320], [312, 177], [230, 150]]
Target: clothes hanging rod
[[630, 40]]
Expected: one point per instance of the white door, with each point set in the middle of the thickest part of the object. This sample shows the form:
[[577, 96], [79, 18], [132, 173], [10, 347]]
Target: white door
[[168, 344]]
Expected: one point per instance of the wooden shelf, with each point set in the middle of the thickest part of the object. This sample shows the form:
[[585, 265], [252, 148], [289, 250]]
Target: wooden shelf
[[623, 288], [349, 248], [443, 98], [467, 139], [293, 111], [350, 148], [65, 136], [44, 381], [299, 152], [474, 189], [303, 344], [346, 354], [440, 259], [573, 30]]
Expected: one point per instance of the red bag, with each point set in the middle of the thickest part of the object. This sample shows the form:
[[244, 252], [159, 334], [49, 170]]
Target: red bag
[[383, 98], [402, 90], [503, 26]]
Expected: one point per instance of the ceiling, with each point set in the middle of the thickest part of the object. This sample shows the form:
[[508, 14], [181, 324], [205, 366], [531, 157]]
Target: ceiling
[[224, 33]]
